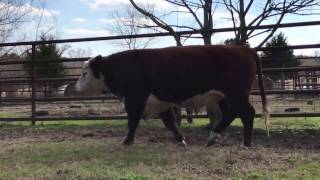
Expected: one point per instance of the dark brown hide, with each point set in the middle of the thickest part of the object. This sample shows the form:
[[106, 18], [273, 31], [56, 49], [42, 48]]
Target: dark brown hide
[[175, 74]]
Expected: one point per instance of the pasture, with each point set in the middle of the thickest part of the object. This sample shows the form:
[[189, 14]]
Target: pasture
[[92, 150]]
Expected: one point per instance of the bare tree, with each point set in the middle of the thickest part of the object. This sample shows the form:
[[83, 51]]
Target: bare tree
[[12, 15], [190, 8], [129, 22], [79, 53], [262, 11]]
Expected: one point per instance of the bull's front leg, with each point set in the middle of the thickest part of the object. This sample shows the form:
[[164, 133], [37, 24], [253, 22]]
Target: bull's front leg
[[134, 107]]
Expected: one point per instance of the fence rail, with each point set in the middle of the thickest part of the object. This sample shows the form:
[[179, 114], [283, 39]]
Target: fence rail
[[33, 81], [39, 80], [220, 30], [68, 118]]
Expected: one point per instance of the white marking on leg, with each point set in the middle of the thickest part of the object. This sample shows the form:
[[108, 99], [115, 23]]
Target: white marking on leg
[[184, 143], [214, 136], [242, 146]]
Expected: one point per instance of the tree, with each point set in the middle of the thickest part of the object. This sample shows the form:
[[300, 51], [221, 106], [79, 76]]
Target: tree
[[190, 8], [79, 52], [245, 14], [232, 41], [12, 14], [278, 58], [49, 65], [129, 22]]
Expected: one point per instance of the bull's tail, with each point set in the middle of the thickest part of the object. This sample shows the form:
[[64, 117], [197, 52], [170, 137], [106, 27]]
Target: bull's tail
[[265, 106]]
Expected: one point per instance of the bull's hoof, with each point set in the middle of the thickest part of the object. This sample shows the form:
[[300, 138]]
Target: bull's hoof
[[213, 139], [210, 142], [127, 142], [184, 143], [245, 145]]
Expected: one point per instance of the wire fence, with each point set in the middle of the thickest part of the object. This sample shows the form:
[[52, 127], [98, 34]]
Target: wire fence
[[27, 97]]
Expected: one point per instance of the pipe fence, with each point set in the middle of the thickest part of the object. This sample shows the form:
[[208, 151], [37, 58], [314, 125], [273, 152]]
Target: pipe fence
[[31, 86]]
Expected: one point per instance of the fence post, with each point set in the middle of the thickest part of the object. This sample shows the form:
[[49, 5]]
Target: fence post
[[0, 89], [33, 84]]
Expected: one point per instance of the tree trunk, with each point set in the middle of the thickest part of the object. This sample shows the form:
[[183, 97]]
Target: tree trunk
[[241, 37], [207, 22], [207, 39]]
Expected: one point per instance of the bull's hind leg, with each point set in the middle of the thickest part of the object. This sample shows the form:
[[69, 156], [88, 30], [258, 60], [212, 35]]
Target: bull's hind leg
[[169, 121], [247, 117], [228, 115], [215, 115], [232, 108], [134, 107]]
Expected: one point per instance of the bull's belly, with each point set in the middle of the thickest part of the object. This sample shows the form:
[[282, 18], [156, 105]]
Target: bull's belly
[[154, 106]]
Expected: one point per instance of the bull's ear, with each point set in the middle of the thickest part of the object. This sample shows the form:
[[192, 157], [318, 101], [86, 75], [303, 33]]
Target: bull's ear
[[95, 65]]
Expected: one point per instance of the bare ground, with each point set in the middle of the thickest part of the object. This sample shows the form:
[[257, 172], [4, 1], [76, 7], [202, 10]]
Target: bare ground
[[283, 139], [285, 150]]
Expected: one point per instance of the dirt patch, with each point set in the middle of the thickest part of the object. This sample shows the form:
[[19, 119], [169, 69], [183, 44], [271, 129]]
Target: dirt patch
[[307, 139]]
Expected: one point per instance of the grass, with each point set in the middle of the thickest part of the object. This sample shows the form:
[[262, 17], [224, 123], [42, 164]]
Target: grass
[[92, 150], [7, 115]]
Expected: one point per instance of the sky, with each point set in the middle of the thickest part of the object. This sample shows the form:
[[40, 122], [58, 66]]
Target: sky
[[90, 18]]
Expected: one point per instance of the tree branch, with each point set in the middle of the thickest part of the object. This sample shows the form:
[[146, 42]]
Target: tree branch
[[274, 29], [248, 7], [158, 22], [192, 13]]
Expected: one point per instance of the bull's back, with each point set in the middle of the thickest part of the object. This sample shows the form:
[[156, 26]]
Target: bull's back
[[178, 73]]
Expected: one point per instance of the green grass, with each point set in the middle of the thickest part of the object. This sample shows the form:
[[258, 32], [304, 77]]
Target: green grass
[[7, 115], [296, 123], [32, 152], [87, 159], [300, 170]]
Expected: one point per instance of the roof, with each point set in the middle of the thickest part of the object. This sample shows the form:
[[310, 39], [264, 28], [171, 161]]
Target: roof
[[309, 61], [6, 70]]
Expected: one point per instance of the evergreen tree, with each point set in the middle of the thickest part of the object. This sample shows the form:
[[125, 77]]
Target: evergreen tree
[[278, 58], [232, 41], [49, 64]]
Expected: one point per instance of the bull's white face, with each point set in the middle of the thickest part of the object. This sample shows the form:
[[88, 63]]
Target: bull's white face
[[88, 84]]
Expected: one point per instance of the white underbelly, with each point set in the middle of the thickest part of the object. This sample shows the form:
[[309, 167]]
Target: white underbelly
[[154, 106]]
